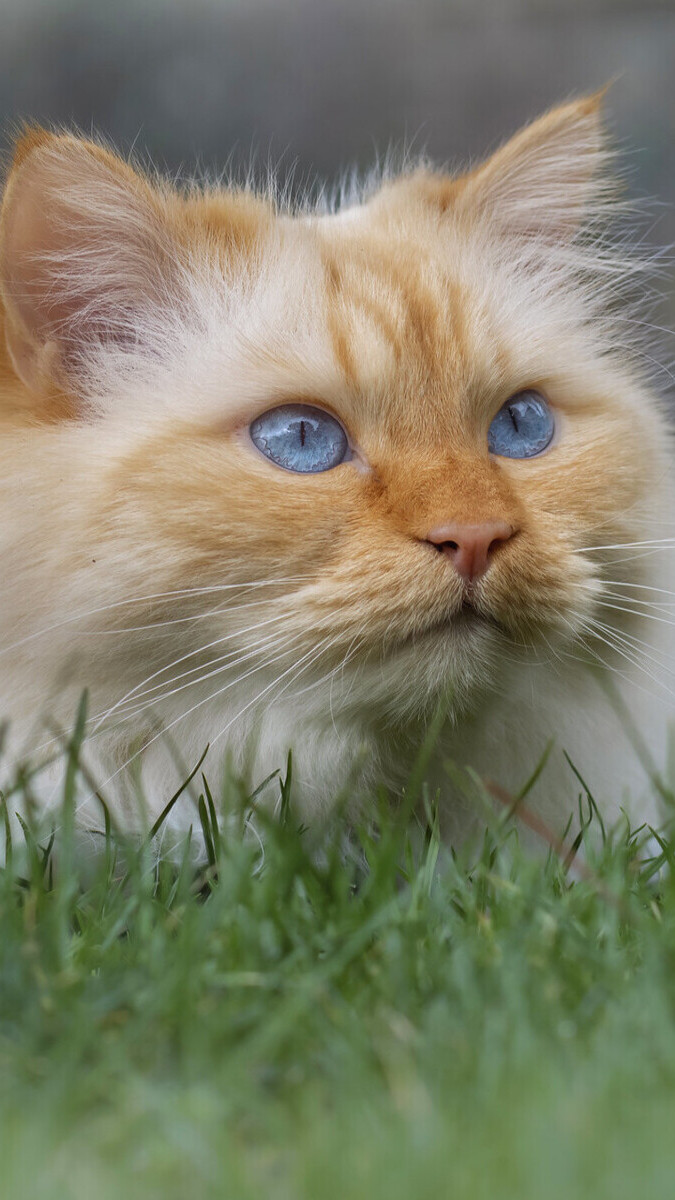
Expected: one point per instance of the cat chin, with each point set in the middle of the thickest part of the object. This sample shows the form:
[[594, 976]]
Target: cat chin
[[449, 663]]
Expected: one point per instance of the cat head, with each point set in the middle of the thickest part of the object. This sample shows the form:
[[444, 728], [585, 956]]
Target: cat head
[[379, 444]]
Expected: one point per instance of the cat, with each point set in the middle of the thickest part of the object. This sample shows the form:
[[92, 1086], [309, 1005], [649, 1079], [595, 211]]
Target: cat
[[306, 478]]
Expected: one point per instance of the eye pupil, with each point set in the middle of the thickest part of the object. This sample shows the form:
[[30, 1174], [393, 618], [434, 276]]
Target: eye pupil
[[522, 428], [300, 438]]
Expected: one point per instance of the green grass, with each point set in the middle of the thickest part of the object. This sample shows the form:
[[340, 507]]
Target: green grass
[[390, 1023]]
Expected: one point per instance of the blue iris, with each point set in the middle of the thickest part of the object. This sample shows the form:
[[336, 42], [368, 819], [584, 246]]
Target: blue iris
[[300, 438], [522, 428]]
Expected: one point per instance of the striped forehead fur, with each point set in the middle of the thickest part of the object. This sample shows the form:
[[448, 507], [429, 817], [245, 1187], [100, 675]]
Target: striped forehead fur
[[508, 228]]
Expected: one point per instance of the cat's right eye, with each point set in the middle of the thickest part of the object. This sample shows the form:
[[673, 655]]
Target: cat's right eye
[[300, 438]]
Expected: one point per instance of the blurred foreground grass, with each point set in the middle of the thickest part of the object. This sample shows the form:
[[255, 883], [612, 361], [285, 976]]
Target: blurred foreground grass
[[391, 1022]]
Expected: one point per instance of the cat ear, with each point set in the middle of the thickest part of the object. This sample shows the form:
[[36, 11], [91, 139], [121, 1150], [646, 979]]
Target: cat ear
[[548, 179], [85, 249], [545, 182]]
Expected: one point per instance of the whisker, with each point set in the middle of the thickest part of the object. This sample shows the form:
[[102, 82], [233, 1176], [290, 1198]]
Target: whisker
[[627, 558], [236, 659], [312, 654], [636, 660], [665, 607], [129, 711], [356, 642], [203, 616], [184, 658], [163, 596], [640, 586], [642, 649], [645, 616], [329, 675], [628, 545], [611, 668], [199, 704]]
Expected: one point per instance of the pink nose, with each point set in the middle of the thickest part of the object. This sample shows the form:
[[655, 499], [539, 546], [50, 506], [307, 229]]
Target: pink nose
[[470, 547]]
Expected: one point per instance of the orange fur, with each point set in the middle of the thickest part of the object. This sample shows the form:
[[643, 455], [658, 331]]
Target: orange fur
[[146, 327]]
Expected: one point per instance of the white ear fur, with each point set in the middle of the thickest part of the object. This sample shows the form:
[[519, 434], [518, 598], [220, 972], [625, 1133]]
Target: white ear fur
[[84, 248], [548, 179]]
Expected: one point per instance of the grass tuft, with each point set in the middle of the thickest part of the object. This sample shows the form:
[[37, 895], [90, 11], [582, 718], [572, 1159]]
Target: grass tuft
[[381, 1019]]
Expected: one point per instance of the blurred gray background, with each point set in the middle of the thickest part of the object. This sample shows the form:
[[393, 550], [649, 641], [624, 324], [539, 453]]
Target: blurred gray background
[[314, 85]]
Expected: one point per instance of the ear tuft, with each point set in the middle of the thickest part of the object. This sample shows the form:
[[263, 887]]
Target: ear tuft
[[85, 249], [547, 180], [31, 138]]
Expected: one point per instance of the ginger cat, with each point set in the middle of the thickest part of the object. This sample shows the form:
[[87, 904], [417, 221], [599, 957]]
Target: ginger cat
[[277, 479]]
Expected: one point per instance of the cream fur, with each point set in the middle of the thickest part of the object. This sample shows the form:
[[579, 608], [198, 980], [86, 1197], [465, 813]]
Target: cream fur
[[143, 539]]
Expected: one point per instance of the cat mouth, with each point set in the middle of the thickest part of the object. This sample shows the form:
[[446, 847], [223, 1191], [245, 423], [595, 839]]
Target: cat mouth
[[470, 617], [466, 619]]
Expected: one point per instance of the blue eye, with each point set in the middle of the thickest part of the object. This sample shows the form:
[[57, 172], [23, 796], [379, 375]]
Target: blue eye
[[522, 428], [300, 438]]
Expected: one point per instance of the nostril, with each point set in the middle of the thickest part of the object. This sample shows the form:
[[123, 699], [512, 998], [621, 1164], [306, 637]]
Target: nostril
[[470, 547]]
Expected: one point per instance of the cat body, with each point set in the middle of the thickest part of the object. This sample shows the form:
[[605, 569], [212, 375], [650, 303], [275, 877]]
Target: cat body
[[204, 594]]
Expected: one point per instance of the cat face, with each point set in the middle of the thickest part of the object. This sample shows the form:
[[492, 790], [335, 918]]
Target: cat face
[[155, 333]]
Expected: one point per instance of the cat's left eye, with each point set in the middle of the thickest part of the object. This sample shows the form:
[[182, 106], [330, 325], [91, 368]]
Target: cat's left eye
[[301, 438], [522, 428]]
